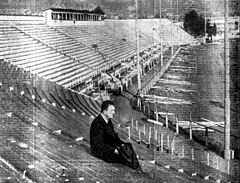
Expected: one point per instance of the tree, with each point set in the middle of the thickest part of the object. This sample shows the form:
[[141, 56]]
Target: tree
[[214, 29], [194, 24], [200, 28]]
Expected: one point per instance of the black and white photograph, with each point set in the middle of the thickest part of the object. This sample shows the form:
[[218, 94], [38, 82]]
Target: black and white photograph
[[125, 91]]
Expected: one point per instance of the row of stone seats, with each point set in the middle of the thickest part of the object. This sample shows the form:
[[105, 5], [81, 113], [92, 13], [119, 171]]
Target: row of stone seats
[[9, 175], [107, 39], [57, 135], [162, 30], [11, 72], [16, 76], [60, 41], [95, 61], [18, 135], [127, 30], [122, 45], [180, 37], [21, 157], [42, 119], [29, 53], [81, 35], [121, 52], [106, 48], [116, 38], [46, 101], [52, 161]]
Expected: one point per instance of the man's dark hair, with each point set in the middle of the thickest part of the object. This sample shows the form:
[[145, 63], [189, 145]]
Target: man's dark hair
[[105, 105]]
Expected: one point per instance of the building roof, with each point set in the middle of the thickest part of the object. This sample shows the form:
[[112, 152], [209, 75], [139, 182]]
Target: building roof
[[96, 10]]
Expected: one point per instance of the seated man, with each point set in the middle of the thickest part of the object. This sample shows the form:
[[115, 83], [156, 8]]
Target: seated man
[[106, 144]]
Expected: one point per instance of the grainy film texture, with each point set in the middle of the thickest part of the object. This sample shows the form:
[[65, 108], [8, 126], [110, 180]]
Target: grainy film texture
[[171, 68]]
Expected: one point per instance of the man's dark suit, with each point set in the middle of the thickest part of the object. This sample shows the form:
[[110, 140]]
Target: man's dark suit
[[104, 141]]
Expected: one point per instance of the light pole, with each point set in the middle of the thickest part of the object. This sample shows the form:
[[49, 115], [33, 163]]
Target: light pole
[[227, 84], [172, 26], [177, 25], [137, 46], [177, 12], [205, 22], [160, 18]]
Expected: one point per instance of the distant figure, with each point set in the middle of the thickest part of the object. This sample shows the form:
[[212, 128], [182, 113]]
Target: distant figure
[[74, 21], [105, 142]]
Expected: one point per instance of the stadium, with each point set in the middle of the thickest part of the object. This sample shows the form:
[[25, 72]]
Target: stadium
[[173, 95]]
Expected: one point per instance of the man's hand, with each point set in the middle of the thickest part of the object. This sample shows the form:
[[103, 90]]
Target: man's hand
[[116, 152]]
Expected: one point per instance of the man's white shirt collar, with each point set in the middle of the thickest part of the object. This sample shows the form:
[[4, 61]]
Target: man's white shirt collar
[[105, 118]]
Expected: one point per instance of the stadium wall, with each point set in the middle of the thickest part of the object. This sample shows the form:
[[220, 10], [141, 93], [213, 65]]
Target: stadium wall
[[21, 19], [71, 23], [32, 19]]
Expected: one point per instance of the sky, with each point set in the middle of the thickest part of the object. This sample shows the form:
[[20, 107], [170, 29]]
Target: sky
[[212, 6]]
